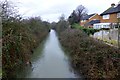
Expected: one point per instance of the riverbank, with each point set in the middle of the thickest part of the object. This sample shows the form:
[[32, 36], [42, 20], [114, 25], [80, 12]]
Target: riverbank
[[90, 56], [48, 61], [19, 39]]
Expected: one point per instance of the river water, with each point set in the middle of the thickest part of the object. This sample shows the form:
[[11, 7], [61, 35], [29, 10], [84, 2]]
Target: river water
[[49, 61]]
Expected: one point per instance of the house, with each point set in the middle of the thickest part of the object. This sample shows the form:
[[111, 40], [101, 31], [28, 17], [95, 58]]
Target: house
[[89, 20], [91, 23], [101, 25], [111, 15], [109, 18]]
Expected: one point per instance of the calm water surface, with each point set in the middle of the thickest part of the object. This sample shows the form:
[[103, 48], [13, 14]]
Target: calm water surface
[[49, 61]]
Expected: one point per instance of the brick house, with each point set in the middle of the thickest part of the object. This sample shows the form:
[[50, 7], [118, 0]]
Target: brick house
[[111, 15], [89, 20]]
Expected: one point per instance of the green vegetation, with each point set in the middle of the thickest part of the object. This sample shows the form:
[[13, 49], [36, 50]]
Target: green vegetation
[[111, 42], [19, 39], [86, 30], [61, 25], [90, 56]]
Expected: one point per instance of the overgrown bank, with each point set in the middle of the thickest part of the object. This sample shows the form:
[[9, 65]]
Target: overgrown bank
[[19, 39], [89, 56]]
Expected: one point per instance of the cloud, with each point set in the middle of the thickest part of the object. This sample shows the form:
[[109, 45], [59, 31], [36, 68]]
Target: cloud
[[52, 9]]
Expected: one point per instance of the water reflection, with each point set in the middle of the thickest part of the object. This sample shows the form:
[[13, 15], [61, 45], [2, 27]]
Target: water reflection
[[52, 63]]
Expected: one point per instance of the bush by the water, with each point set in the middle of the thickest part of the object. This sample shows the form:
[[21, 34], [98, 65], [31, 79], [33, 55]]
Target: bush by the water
[[92, 57], [19, 40]]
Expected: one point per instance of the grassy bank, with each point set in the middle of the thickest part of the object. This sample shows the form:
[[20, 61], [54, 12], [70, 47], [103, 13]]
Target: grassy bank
[[20, 38], [91, 57]]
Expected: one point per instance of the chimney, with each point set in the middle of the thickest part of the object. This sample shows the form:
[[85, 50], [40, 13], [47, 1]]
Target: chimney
[[112, 5]]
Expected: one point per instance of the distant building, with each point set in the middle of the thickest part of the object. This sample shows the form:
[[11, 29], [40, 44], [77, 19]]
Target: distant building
[[90, 20], [101, 25], [111, 15]]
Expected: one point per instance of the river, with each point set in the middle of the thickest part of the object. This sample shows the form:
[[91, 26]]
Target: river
[[49, 61]]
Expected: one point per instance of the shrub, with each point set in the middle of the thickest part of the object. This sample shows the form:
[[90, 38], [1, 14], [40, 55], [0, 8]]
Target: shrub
[[86, 30], [20, 37], [90, 56]]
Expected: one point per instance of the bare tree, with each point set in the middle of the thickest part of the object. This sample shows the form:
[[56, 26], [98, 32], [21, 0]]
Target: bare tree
[[61, 25], [73, 18], [81, 11], [77, 14], [62, 17], [8, 10]]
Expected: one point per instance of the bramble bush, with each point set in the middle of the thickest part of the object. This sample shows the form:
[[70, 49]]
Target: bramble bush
[[19, 39], [91, 57]]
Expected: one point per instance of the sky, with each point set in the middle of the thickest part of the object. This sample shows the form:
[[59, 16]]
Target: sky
[[51, 10]]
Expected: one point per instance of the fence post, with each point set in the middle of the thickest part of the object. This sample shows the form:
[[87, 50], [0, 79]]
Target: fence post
[[119, 35]]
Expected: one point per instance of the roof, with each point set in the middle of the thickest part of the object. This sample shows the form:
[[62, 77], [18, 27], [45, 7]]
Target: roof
[[112, 10], [87, 17], [92, 22]]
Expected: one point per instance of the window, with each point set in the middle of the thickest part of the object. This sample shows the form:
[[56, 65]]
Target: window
[[84, 20], [118, 15], [106, 16], [81, 20]]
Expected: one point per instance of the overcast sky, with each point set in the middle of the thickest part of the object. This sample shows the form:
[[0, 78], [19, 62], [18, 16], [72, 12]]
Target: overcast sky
[[50, 10]]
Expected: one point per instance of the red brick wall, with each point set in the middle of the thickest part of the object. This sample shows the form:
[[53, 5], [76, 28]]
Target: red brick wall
[[112, 19], [96, 16]]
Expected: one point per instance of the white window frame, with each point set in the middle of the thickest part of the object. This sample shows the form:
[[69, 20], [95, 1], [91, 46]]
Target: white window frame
[[107, 16], [118, 15], [82, 21]]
